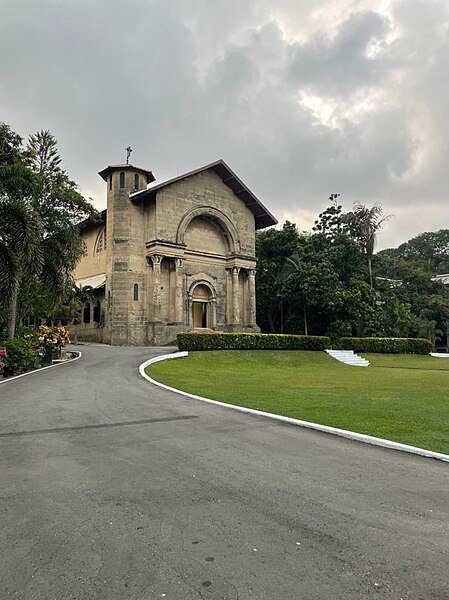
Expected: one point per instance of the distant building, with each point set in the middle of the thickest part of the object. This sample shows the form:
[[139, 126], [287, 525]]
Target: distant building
[[170, 257]]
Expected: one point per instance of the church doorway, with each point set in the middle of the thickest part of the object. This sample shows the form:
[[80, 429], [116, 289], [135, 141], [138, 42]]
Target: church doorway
[[200, 307]]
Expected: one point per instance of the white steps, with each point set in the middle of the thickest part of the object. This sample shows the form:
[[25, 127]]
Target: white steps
[[348, 357]]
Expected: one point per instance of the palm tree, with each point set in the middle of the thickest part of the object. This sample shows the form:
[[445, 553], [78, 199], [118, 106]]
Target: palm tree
[[20, 236], [364, 224]]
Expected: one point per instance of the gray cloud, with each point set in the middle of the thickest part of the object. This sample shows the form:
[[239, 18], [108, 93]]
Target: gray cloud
[[342, 64], [342, 97]]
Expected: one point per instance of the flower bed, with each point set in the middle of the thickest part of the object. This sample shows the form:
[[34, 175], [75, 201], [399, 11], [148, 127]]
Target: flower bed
[[33, 349]]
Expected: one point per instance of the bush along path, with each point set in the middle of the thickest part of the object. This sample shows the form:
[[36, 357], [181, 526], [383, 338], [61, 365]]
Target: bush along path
[[32, 349]]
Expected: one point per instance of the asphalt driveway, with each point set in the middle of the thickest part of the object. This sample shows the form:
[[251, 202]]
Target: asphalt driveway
[[111, 488]]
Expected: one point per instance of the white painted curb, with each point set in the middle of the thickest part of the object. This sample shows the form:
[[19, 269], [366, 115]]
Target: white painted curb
[[360, 437], [8, 379]]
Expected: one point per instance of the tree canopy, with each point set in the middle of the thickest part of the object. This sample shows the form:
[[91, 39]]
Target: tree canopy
[[331, 282], [40, 208]]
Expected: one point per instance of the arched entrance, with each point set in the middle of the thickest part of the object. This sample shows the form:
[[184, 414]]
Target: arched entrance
[[201, 298]]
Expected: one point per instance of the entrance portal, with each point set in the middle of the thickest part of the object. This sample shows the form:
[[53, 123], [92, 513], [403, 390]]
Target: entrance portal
[[199, 314], [200, 304]]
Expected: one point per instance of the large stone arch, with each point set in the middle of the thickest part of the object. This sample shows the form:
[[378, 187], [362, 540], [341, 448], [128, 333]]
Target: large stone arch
[[219, 218]]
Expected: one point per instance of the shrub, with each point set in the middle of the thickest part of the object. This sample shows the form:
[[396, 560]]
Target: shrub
[[2, 359], [53, 338], [18, 355], [250, 341], [387, 345]]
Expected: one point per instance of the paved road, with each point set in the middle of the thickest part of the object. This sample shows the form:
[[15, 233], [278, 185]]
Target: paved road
[[114, 489]]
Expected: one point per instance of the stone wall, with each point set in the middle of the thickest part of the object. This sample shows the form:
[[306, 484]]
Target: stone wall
[[93, 262], [204, 190]]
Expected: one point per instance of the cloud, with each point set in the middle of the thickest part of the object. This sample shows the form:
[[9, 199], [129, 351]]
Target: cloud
[[302, 101], [349, 61]]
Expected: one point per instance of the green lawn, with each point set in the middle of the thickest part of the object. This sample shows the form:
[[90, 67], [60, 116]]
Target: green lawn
[[398, 397]]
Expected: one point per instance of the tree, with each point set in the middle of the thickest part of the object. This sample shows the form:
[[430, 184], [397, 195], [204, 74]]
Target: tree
[[428, 250], [331, 222], [42, 194], [364, 224], [273, 247], [20, 236]]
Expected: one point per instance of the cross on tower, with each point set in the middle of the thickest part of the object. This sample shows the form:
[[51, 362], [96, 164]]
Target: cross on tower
[[128, 153]]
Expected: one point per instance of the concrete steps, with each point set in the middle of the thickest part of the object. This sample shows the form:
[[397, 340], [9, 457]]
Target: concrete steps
[[348, 357]]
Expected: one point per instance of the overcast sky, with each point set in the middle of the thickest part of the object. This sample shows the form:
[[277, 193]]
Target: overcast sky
[[302, 98]]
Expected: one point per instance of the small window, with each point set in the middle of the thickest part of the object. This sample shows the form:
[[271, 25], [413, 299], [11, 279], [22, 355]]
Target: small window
[[110, 181], [122, 179], [136, 291], [109, 299], [136, 182]]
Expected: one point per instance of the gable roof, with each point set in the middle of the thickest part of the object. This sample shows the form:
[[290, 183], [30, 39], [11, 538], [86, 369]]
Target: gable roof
[[263, 217]]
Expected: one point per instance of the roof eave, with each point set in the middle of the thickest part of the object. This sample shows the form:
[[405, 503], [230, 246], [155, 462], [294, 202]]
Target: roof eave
[[263, 217]]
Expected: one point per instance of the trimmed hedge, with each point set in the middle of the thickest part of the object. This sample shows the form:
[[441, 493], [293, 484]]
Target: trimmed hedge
[[387, 345], [250, 341]]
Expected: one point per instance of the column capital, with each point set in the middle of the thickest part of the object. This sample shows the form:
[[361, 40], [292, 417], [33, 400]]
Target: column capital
[[235, 270], [156, 259], [178, 262]]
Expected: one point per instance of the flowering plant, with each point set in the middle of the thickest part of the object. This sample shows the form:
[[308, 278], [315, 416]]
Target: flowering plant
[[53, 338], [2, 355]]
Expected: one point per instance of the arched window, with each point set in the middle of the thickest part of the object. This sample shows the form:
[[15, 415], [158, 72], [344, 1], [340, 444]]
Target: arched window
[[136, 181], [122, 179], [136, 291], [100, 246]]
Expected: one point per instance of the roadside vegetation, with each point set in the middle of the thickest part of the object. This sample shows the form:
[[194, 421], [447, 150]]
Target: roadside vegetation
[[329, 281], [40, 245], [404, 398]]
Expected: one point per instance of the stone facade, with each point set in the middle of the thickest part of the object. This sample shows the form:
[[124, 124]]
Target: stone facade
[[174, 256]]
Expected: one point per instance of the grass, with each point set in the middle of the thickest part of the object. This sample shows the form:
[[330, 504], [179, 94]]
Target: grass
[[404, 398]]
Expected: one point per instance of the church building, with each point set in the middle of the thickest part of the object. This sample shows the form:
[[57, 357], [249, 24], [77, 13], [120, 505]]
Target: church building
[[170, 257]]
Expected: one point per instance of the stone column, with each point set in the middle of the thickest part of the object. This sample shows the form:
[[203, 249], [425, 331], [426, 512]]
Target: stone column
[[156, 259], [213, 313], [235, 296], [252, 296], [179, 316]]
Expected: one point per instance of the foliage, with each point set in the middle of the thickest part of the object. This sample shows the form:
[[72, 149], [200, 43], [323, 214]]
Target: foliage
[[363, 224], [331, 222], [253, 341], [39, 204], [11, 148], [387, 345], [428, 251], [53, 338], [19, 353], [20, 227], [273, 247], [331, 283], [3, 354]]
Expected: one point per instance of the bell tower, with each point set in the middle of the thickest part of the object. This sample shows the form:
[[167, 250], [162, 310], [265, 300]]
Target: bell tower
[[125, 314]]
